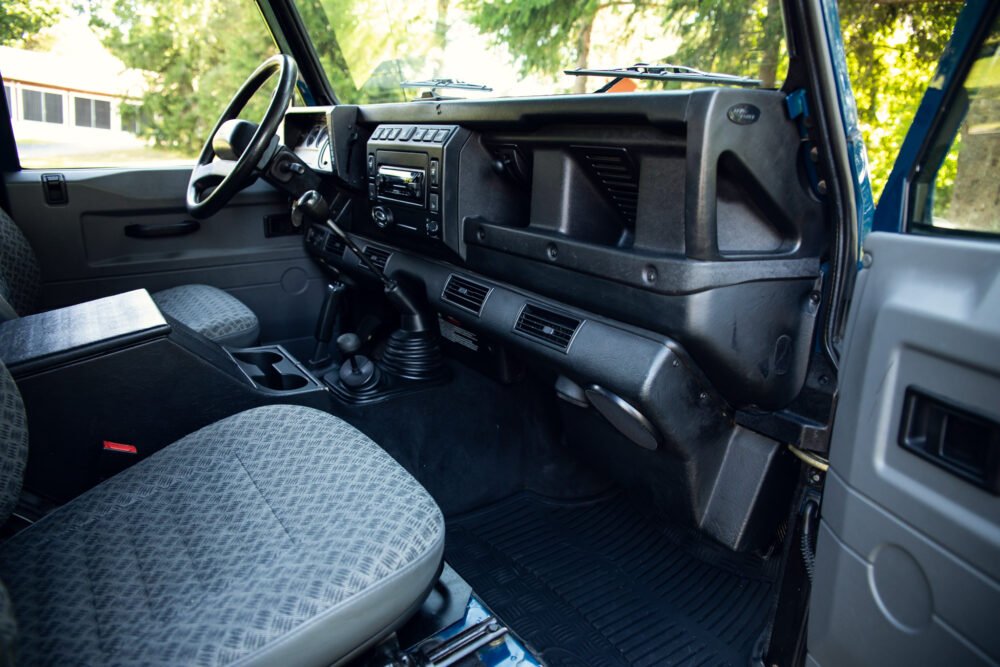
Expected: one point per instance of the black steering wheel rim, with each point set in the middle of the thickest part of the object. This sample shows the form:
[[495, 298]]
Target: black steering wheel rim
[[236, 174]]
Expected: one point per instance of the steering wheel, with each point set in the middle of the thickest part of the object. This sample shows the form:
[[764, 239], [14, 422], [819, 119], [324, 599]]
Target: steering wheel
[[237, 149]]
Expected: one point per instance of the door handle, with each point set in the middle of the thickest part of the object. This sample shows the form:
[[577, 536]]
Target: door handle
[[959, 440], [144, 231]]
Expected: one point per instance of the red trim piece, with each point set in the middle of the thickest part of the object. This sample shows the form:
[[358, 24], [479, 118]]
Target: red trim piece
[[119, 447]]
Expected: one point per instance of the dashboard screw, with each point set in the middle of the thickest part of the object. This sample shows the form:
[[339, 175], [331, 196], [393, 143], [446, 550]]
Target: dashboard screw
[[481, 234], [814, 297], [649, 275], [552, 250], [866, 260], [676, 363]]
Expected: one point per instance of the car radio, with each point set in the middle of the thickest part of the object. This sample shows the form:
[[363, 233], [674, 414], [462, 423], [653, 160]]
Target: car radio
[[403, 185], [406, 186]]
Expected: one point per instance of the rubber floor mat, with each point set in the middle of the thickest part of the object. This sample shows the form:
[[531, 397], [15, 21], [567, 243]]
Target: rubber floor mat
[[598, 583]]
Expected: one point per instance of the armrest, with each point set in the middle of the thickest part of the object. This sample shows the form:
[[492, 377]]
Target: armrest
[[59, 336]]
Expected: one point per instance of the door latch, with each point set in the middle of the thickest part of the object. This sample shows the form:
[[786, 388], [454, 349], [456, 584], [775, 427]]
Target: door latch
[[54, 189]]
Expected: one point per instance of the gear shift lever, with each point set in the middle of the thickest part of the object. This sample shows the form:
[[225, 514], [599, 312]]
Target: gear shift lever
[[412, 351], [327, 319], [357, 371]]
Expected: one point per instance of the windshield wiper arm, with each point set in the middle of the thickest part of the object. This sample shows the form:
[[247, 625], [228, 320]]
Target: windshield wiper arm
[[445, 83], [665, 72]]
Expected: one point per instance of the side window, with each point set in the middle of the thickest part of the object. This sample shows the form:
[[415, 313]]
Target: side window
[[116, 84], [958, 186]]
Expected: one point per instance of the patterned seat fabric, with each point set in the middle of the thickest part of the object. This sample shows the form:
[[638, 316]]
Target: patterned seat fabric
[[20, 280], [213, 313], [278, 535]]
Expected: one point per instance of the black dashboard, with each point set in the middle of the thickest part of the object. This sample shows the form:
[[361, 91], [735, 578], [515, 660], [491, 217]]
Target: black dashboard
[[664, 213], [658, 254]]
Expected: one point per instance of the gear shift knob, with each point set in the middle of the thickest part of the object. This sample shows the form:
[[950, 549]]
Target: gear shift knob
[[348, 344], [313, 206]]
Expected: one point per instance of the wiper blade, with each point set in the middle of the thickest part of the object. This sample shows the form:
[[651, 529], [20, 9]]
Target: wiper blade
[[445, 83], [664, 72]]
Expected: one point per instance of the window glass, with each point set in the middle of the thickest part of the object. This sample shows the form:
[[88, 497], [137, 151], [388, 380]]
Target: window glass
[[116, 83], [371, 48], [82, 105], [10, 101], [31, 105], [966, 188]]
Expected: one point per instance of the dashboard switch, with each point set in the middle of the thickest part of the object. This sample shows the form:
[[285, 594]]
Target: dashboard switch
[[435, 203], [371, 165], [407, 133], [435, 169], [382, 217]]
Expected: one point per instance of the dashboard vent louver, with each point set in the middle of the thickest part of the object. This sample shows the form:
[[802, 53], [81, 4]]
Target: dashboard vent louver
[[614, 170], [549, 327], [378, 256], [334, 245], [465, 294]]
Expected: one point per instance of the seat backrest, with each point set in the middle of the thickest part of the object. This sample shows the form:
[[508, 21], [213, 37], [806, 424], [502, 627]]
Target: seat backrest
[[20, 277], [13, 443]]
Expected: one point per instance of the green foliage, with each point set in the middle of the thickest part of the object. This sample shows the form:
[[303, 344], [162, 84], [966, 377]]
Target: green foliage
[[543, 34], [892, 53], [733, 36], [195, 54], [20, 20]]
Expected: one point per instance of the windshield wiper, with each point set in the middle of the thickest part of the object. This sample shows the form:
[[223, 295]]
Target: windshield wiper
[[445, 83], [665, 72]]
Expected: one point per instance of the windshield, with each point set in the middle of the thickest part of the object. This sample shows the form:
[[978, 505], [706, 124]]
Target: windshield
[[380, 51]]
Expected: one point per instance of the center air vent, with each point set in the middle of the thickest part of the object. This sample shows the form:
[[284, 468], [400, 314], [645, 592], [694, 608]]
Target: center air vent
[[553, 329], [378, 256], [466, 294], [334, 245]]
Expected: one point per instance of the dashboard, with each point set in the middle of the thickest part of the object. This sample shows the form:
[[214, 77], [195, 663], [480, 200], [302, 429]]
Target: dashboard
[[658, 212], [657, 254]]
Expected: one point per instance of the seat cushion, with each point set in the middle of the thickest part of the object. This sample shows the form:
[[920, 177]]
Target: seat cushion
[[280, 535], [215, 314]]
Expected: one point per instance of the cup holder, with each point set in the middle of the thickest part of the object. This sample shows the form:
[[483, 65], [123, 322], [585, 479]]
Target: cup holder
[[271, 369], [282, 382], [259, 358]]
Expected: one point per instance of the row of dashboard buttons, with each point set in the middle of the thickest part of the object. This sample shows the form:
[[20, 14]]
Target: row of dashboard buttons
[[424, 134]]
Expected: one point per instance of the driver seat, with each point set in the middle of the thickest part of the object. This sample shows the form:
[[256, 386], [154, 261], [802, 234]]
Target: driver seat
[[215, 314]]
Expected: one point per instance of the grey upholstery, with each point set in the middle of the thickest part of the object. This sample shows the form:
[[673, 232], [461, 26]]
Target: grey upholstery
[[280, 535], [13, 443], [210, 311], [213, 313], [20, 279]]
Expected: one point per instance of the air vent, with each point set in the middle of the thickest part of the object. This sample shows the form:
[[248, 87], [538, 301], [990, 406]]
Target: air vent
[[333, 245], [553, 329], [465, 294], [378, 256], [614, 171]]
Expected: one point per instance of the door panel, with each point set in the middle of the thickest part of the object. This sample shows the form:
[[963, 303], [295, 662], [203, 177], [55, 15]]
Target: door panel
[[85, 253], [907, 567]]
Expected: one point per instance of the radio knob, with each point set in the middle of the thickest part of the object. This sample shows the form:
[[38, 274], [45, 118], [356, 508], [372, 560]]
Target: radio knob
[[382, 217]]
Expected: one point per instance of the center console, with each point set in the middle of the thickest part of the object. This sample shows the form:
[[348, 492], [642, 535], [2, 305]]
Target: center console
[[108, 382]]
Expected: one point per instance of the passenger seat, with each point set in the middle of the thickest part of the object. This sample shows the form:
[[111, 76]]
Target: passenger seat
[[278, 536]]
